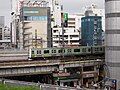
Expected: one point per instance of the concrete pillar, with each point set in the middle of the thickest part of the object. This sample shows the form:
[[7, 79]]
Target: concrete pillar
[[61, 84], [112, 54]]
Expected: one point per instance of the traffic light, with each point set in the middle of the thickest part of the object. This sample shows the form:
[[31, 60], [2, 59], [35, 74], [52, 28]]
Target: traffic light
[[65, 19]]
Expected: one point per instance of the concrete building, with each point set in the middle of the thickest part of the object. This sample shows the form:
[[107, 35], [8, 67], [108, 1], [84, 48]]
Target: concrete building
[[93, 10], [72, 33], [56, 11], [71, 37], [91, 31], [112, 8], [74, 20], [5, 38], [31, 25], [36, 27]]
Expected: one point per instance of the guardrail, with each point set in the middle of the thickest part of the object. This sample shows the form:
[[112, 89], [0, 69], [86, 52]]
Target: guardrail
[[43, 63]]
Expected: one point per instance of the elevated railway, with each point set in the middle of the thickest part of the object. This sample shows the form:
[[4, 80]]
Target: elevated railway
[[62, 70]]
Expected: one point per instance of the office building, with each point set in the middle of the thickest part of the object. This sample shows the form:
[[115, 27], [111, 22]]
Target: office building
[[91, 31]]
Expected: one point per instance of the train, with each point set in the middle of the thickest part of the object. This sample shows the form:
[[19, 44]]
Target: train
[[56, 52]]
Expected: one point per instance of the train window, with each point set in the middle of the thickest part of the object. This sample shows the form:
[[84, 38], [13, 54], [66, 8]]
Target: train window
[[59, 51], [76, 50], [89, 49], [39, 52], [101, 49], [53, 51], [69, 50], [84, 50], [32, 52], [64, 50], [96, 49], [46, 51]]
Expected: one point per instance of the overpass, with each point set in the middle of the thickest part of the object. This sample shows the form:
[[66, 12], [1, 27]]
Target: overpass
[[34, 67]]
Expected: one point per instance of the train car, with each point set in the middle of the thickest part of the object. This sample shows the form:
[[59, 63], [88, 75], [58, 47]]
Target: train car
[[98, 50], [42, 53]]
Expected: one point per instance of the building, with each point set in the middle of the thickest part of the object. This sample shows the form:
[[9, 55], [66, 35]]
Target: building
[[72, 31], [71, 37], [113, 40], [2, 21], [74, 20], [56, 10], [5, 37], [31, 24], [93, 10], [91, 31], [36, 26]]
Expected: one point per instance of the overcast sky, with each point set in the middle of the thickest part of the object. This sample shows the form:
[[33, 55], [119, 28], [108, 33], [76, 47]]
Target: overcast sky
[[72, 6]]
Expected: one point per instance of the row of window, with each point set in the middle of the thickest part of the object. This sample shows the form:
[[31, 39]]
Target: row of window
[[91, 20], [60, 51], [35, 18]]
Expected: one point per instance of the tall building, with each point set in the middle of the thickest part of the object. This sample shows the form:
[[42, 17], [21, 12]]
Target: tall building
[[93, 10], [56, 10], [31, 24], [72, 32], [112, 12], [91, 31], [36, 26]]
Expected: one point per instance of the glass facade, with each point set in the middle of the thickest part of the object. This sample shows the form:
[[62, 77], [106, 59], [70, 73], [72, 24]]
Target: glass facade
[[91, 33]]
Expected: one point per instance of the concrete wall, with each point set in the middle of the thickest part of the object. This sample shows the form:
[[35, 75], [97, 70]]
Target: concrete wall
[[113, 39]]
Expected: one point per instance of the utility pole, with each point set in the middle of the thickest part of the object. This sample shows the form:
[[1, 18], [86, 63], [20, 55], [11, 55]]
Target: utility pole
[[35, 38], [62, 26]]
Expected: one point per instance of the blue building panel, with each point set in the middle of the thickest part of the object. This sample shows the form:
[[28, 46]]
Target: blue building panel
[[91, 30]]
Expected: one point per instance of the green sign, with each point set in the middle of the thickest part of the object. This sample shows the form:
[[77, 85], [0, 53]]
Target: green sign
[[65, 16]]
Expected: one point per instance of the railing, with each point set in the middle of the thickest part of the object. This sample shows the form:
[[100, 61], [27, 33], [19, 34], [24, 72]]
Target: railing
[[46, 62]]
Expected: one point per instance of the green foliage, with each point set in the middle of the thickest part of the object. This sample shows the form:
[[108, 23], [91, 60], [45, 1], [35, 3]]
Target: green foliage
[[9, 87]]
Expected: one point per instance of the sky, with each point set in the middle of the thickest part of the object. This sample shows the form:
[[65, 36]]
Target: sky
[[71, 6]]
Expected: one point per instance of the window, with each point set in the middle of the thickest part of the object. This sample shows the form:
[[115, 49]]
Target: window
[[76, 50], [32, 52], [89, 49], [38, 51], [69, 50], [53, 51], [96, 49], [84, 50], [59, 51], [46, 51]]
